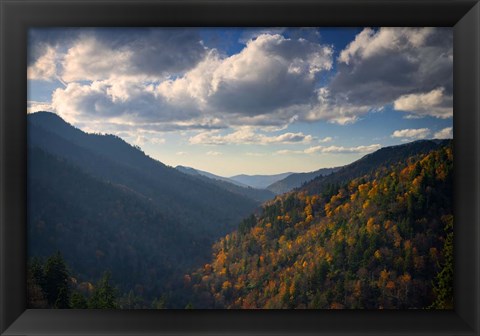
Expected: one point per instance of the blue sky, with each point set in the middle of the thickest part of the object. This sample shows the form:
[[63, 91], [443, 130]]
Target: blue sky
[[248, 100]]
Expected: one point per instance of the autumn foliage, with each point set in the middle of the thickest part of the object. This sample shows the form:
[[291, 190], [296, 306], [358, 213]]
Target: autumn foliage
[[374, 242]]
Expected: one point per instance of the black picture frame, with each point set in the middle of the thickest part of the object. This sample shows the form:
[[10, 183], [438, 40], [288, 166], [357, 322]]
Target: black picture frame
[[16, 16]]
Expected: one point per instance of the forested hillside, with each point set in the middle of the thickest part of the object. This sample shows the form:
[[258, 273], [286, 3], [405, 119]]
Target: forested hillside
[[105, 205], [381, 239], [109, 158], [100, 226]]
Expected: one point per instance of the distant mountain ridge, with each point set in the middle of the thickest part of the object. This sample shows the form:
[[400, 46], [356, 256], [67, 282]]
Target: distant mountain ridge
[[194, 171], [260, 195], [259, 181], [367, 164], [296, 180]]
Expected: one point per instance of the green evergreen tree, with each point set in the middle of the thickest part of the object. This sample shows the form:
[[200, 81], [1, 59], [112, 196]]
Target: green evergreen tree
[[35, 294], [160, 303], [56, 278], [63, 300], [78, 301], [37, 272], [443, 284], [104, 295]]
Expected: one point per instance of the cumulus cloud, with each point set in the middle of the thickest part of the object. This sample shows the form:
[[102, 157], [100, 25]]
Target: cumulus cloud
[[145, 53], [370, 43], [446, 133], [271, 82], [434, 103], [88, 59], [42, 39], [167, 79], [45, 67], [380, 66], [271, 72], [121, 100], [335, 108], [270, 75], [91, 54], [253, 33], [247, 135], [419, 133]]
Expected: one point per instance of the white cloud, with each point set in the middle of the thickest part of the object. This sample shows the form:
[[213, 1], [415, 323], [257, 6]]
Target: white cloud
[[35, 106], [331, 150], [251, 34], [289, 151], [434, 103], [194, 86], [383, 65], [147, 54], [166, 79], [326, 139], [45, 67], [341, 149], [446, 133], [270, 75], [89, 59], [120, 101], [419, 133], [270, 83], [370, 42], [335, 109], [213, 153], [248, 135], [181, 153]]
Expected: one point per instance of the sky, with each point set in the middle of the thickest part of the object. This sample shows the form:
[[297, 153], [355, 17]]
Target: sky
[[248, 100]]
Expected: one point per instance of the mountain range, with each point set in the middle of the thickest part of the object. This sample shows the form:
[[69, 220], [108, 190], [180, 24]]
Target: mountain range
[[259, 181], [296, 180], [233, 186], [107, 206], [266, 185]]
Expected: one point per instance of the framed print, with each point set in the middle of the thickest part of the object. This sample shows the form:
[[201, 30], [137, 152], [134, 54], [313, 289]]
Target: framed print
[[270, 167]]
